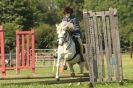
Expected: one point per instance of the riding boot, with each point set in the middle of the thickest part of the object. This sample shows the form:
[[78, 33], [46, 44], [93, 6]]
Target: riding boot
[[81, 49]]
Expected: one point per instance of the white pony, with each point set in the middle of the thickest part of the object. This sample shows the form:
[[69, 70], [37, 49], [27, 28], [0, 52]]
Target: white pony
[[66, 48]]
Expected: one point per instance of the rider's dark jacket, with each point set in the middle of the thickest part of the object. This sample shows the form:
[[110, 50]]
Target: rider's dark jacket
[[75, 22]]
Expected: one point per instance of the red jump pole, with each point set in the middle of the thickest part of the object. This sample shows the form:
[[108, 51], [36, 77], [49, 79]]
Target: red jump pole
[[33, 51], [17, 53], [28, 51], [2, 52]]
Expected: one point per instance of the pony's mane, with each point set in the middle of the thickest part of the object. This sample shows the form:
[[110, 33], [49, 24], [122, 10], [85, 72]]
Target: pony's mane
[[66, 24]]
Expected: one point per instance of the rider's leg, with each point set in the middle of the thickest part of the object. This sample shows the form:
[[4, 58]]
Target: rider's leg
[[81, 48], [80, 42]]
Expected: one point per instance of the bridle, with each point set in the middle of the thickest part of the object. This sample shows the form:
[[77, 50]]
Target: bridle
[[66, 38]]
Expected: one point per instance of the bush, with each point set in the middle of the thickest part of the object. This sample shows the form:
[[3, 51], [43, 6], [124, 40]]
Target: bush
[[45, 36], [10, 30]]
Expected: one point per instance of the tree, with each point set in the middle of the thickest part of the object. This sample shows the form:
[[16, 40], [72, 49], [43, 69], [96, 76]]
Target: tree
[[20, 12], [47, 12], [10, 36], [45, 36], [16, 14]]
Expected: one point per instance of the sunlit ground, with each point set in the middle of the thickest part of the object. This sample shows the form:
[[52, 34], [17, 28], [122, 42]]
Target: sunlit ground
[[127, 72]]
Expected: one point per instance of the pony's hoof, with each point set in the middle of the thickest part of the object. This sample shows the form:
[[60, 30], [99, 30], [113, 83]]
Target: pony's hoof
[[72, 74], [57, 79]]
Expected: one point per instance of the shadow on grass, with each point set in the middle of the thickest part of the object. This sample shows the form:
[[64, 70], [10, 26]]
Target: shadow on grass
[[128, 80]]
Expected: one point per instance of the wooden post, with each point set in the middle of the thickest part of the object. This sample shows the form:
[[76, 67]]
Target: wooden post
[[97, 53], [116, 44], [28, 50], [33, 51], [2, 52], [109, 47], [88, 53], [119, 56], [25, 45]]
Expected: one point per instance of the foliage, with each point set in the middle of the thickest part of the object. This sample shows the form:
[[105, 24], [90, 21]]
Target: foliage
[[19, 12], [77, 5], [39, 14], [46, 12], [10, 35], [45, 36], [27, 14]]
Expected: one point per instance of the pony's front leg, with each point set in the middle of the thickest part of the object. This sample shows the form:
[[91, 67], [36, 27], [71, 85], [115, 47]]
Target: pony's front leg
[[58, 66]]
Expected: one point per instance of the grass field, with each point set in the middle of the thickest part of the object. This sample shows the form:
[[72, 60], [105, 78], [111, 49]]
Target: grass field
[[38, 83]]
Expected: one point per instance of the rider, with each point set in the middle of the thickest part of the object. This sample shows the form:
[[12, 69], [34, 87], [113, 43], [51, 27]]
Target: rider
[[69, 17]]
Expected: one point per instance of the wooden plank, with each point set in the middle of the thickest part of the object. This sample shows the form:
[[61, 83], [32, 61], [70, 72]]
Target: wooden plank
[[23, 51], [2, 52], [113, 34], [101, 58], [87, 35], [51, 81], [109, 46], [33, 51], [90, 50], [17, 53], [39, 76], [106, 47], [119, 57], [99, 14], [93, 61], [86, 27], [97, 55], [27, 50]]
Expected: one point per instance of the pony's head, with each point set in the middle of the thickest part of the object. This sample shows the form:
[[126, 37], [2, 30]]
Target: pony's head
[[62, 29]]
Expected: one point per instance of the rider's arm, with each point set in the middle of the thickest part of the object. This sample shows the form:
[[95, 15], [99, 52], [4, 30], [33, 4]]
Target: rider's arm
[[76, 27]]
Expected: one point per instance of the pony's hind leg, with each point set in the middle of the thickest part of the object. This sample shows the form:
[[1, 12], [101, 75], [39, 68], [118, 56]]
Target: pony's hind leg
[[72, 73], [81, 66], [87, 69]]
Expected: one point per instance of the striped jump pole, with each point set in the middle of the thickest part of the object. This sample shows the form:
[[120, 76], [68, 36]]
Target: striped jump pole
[[25, 54]]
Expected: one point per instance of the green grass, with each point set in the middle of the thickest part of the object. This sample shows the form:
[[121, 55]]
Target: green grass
[[127, 72]]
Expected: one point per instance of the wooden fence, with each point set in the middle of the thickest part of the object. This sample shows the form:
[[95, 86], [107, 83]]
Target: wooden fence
[[103, 45]]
